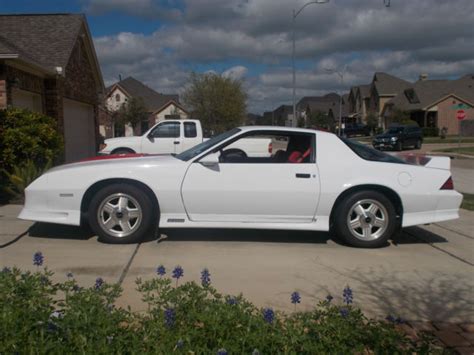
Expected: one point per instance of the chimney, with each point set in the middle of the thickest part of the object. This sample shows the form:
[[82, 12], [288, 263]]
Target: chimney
[[423, 77]]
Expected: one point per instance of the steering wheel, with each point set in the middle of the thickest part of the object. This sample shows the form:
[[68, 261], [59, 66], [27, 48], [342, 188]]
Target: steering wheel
[[232, 153]]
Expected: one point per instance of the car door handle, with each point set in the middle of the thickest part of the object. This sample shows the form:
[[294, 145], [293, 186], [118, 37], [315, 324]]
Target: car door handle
[[303, 176], [176, 142]]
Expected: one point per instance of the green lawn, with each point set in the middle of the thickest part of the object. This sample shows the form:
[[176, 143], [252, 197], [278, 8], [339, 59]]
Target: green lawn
[[468, 202], [461, 150], [451, 139]]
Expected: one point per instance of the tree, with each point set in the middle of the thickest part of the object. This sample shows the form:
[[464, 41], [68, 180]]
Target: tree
[[319, 119], [133, 112], [219, 102], [402, 117], [372, 121]]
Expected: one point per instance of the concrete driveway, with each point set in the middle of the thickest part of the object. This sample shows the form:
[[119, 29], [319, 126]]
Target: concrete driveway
[[424, 274]]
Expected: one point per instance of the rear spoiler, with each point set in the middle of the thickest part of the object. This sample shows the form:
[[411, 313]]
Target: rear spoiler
[[428, 161]]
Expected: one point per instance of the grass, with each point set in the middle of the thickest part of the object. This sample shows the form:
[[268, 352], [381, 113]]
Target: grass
[[468, 202], [460, 150]]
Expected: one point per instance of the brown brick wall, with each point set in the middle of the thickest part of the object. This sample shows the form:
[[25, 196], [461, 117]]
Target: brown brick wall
[[447, 115], [79, 83]]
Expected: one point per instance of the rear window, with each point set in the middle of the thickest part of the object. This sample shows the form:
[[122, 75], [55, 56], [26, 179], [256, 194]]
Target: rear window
[[369, 153], [190, 130]]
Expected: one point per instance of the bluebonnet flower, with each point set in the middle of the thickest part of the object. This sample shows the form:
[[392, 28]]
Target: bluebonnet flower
[[344, 312], [180, 343], [98, 283], [394, 320], [6, 270], [205, 277], [222, 351], [268, 315], [38, 258], [169, 317], [232, 301], [295, 298], [177, 273], [347, 295], [161, 270], [329, 298], [69, 275]]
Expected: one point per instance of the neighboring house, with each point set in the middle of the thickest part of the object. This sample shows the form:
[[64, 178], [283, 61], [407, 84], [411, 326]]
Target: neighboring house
[[328, 104], [383, 88], [359, 102], [159, 107], [48, 64], [434, 103]]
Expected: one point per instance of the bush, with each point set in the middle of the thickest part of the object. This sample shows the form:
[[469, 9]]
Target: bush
[[26, 135], [430, 131], [40, 316]]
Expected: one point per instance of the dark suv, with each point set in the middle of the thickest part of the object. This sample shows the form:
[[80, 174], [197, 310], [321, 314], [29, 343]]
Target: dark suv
[[399, 137], [356, 129]]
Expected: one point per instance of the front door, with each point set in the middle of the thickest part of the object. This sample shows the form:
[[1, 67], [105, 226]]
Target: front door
[[265, 190], [163, 139]]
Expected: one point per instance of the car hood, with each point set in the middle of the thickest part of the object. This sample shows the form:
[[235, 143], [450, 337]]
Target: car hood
[[111, 161]]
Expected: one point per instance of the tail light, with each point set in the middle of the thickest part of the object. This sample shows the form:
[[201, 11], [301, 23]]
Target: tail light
[[448, 185], [270, 147]]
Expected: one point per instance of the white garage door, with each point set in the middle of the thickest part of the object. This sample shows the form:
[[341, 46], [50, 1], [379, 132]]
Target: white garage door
[[27, 99], [79, 130]]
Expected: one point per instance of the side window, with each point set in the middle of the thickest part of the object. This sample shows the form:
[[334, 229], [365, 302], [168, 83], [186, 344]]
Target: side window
[[190, 130], [167, 130]]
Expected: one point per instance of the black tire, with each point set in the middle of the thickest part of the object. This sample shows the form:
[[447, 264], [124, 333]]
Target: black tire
[[342, 218], [139, 227], [399, 146], [123, 151], [418, 144]]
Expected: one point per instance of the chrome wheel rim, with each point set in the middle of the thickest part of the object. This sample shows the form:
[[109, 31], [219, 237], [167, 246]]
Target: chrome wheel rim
[[367, 220], [119, 215]]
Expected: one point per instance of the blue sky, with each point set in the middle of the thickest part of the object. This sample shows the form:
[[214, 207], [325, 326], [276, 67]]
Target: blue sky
[[161, 41]]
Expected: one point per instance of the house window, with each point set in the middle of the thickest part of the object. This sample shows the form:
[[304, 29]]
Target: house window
[[411, 96], [117, 97]]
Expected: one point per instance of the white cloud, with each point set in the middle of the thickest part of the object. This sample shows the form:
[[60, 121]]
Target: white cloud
[[238, 72]]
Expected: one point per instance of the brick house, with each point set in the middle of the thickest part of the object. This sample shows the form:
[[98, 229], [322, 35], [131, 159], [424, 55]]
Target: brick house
[[159, 107], [328, 104], [48, 64], [434, 103]]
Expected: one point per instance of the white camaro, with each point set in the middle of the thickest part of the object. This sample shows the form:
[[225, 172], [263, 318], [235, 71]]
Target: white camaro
[[312, 180]]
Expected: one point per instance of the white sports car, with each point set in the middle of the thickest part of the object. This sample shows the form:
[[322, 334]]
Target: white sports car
[[312, 180]]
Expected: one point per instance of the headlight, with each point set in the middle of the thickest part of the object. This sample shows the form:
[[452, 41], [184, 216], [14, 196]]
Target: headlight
[[394, 139]]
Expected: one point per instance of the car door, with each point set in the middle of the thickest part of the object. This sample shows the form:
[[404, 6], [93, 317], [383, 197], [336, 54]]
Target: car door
[[164, 138], [265, 192]]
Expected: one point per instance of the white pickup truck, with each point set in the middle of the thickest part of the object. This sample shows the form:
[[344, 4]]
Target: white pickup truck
[[176, 136]]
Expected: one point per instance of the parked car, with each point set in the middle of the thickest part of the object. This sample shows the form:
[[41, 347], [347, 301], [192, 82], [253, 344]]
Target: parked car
[[356, 129], [174, 137], [399, 137], [314, 181]]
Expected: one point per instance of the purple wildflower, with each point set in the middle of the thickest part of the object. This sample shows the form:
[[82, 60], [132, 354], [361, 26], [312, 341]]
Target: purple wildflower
[[205, 277], [344, 312], [232, 301], [177, 273], [222, 351], [329, 298], [98, 283], [161, 270], [69, 275], [38, 258], [170, 317], [268, 315], [295, 298], [347, 295], [6, 270]]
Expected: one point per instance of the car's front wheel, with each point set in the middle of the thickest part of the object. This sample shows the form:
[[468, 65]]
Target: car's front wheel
[[365, 219], [418, 144], [121, 213]]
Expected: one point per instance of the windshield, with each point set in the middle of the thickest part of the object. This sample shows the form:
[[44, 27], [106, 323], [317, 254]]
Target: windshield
[[369, 153], [202, 147], [394, 130]]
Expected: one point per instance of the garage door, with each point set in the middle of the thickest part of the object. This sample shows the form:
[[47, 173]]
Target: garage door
[[27, 99], [79, 130]]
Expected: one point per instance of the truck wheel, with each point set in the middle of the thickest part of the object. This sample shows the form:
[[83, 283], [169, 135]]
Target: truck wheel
[[365, 219], [418, 144], [121, 214]]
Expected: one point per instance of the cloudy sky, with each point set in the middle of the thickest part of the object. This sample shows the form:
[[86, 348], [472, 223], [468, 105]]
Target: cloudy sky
[[161, 41]]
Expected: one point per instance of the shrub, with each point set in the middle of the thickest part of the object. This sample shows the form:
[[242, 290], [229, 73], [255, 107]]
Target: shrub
[[26, 135], [40, 316], [430, 131]]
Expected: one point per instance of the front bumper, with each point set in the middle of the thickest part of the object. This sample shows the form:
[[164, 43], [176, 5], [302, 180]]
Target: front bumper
[[384, 145]]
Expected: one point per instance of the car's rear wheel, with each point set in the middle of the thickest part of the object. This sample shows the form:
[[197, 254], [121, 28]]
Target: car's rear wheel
[[365, 219], [120, 214], [123, 151], [418, 144]]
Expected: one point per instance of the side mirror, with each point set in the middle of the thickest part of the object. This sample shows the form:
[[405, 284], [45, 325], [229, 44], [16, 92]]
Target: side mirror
[[210, 159]]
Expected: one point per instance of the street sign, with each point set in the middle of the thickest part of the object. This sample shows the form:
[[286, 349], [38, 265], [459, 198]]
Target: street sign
[[460, 114]]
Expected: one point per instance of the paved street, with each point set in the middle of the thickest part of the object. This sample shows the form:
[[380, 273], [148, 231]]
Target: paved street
[[426, 273]]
